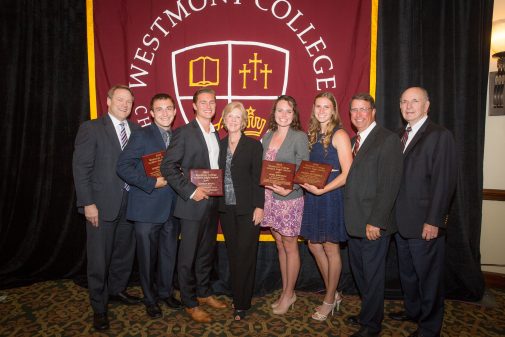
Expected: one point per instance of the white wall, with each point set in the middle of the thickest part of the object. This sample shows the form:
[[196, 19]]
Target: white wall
[[492, 242]]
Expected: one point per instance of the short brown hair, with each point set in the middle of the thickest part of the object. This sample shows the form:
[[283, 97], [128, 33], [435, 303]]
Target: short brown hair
[[160, 96], [111, 91], [204, 90], [363, 96]]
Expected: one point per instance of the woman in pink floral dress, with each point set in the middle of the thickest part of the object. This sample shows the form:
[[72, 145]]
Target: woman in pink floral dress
[[285, 142]]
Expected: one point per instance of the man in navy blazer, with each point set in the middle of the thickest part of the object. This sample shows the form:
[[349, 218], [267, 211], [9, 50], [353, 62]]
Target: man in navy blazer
[[370, 192], [428, 184], [195, 146], [150, 207], [102, 197]]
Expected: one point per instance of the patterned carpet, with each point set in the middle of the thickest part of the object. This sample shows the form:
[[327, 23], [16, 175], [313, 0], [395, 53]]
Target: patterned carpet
[[60, 308]]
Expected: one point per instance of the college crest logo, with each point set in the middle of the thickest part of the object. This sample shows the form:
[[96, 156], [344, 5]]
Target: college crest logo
[[251, 72], [247, 51]]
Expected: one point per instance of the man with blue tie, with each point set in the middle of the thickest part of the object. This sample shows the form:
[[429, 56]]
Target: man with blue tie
[[102, 197], [427, 186], [150, 207]]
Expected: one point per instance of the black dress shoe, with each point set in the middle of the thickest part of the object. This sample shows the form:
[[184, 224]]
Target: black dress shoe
[[366, 332], [125, 298], [100, 321], [354, 319], [172, 302], [416, 333], [401, 316], [154, 310]]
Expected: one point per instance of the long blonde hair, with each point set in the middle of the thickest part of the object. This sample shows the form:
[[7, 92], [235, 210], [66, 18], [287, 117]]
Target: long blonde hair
[[315, 126]]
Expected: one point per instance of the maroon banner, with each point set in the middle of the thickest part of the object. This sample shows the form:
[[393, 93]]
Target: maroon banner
[[248, 51]]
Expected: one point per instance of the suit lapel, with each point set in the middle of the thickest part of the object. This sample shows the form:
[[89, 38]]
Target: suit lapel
[[367, 145], [111, 132], [417, 137], [156, 134], [201, 139]]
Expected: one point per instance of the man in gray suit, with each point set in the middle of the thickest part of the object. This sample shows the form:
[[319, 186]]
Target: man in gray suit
[[370, 193], [102, 197]]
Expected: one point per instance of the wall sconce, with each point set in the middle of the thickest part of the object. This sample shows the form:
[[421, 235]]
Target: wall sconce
[[497, 78]]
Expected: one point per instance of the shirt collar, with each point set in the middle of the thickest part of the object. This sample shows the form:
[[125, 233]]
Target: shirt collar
[[418, 125], [363, 134], [116, 121], [211, 129]]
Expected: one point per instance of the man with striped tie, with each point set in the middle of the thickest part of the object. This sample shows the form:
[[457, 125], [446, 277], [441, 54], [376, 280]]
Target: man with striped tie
[[370, 192], [102, 197], [428, 184], [150, 206]]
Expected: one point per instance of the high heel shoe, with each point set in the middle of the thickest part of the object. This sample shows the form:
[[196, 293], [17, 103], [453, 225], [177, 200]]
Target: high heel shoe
[[338, 300], [281, 310], [276, 303], [322, 317]]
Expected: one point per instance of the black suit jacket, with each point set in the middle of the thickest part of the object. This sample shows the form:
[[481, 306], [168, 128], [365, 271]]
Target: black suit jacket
[[187, 150], [373, 182], [96, 151], [429, 180], [245, 172]]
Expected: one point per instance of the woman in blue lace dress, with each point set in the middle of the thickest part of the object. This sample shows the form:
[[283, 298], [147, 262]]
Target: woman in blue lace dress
[[323, 217]]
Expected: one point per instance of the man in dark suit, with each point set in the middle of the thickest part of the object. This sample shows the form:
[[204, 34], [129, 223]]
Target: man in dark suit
[[428, 183], [150, 207], [370, 193], [195, 146], [102, 196]]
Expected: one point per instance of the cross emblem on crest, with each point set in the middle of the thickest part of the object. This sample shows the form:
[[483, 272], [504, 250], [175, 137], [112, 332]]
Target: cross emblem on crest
[[252, 72]]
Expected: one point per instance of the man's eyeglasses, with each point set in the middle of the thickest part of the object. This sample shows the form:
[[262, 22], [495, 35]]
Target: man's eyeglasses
[[354, 110]]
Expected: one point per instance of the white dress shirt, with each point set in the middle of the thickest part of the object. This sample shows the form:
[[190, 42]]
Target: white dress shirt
[[363, 134], [414, 130], [212, 145]]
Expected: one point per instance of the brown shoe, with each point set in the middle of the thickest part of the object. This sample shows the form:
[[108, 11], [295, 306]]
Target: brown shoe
[[212, 302], [199, 315]]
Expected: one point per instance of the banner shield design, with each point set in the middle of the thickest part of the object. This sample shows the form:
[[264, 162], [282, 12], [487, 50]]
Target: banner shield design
[[251, 72]]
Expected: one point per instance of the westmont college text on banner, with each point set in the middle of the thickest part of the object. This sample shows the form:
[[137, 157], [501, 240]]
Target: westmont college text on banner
[[247, 50]]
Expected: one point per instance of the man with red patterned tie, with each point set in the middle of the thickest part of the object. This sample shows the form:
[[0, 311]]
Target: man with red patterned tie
[[370, 192], [428, 183]]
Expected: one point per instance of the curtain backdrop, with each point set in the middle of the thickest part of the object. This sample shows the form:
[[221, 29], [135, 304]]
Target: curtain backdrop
[[443, 46], [44, 85]]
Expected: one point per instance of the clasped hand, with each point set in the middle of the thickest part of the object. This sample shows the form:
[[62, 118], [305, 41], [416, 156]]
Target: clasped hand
[[372, 232], [200, 194], [279, 190], [429, 232], [313, 189], [160, 182]]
